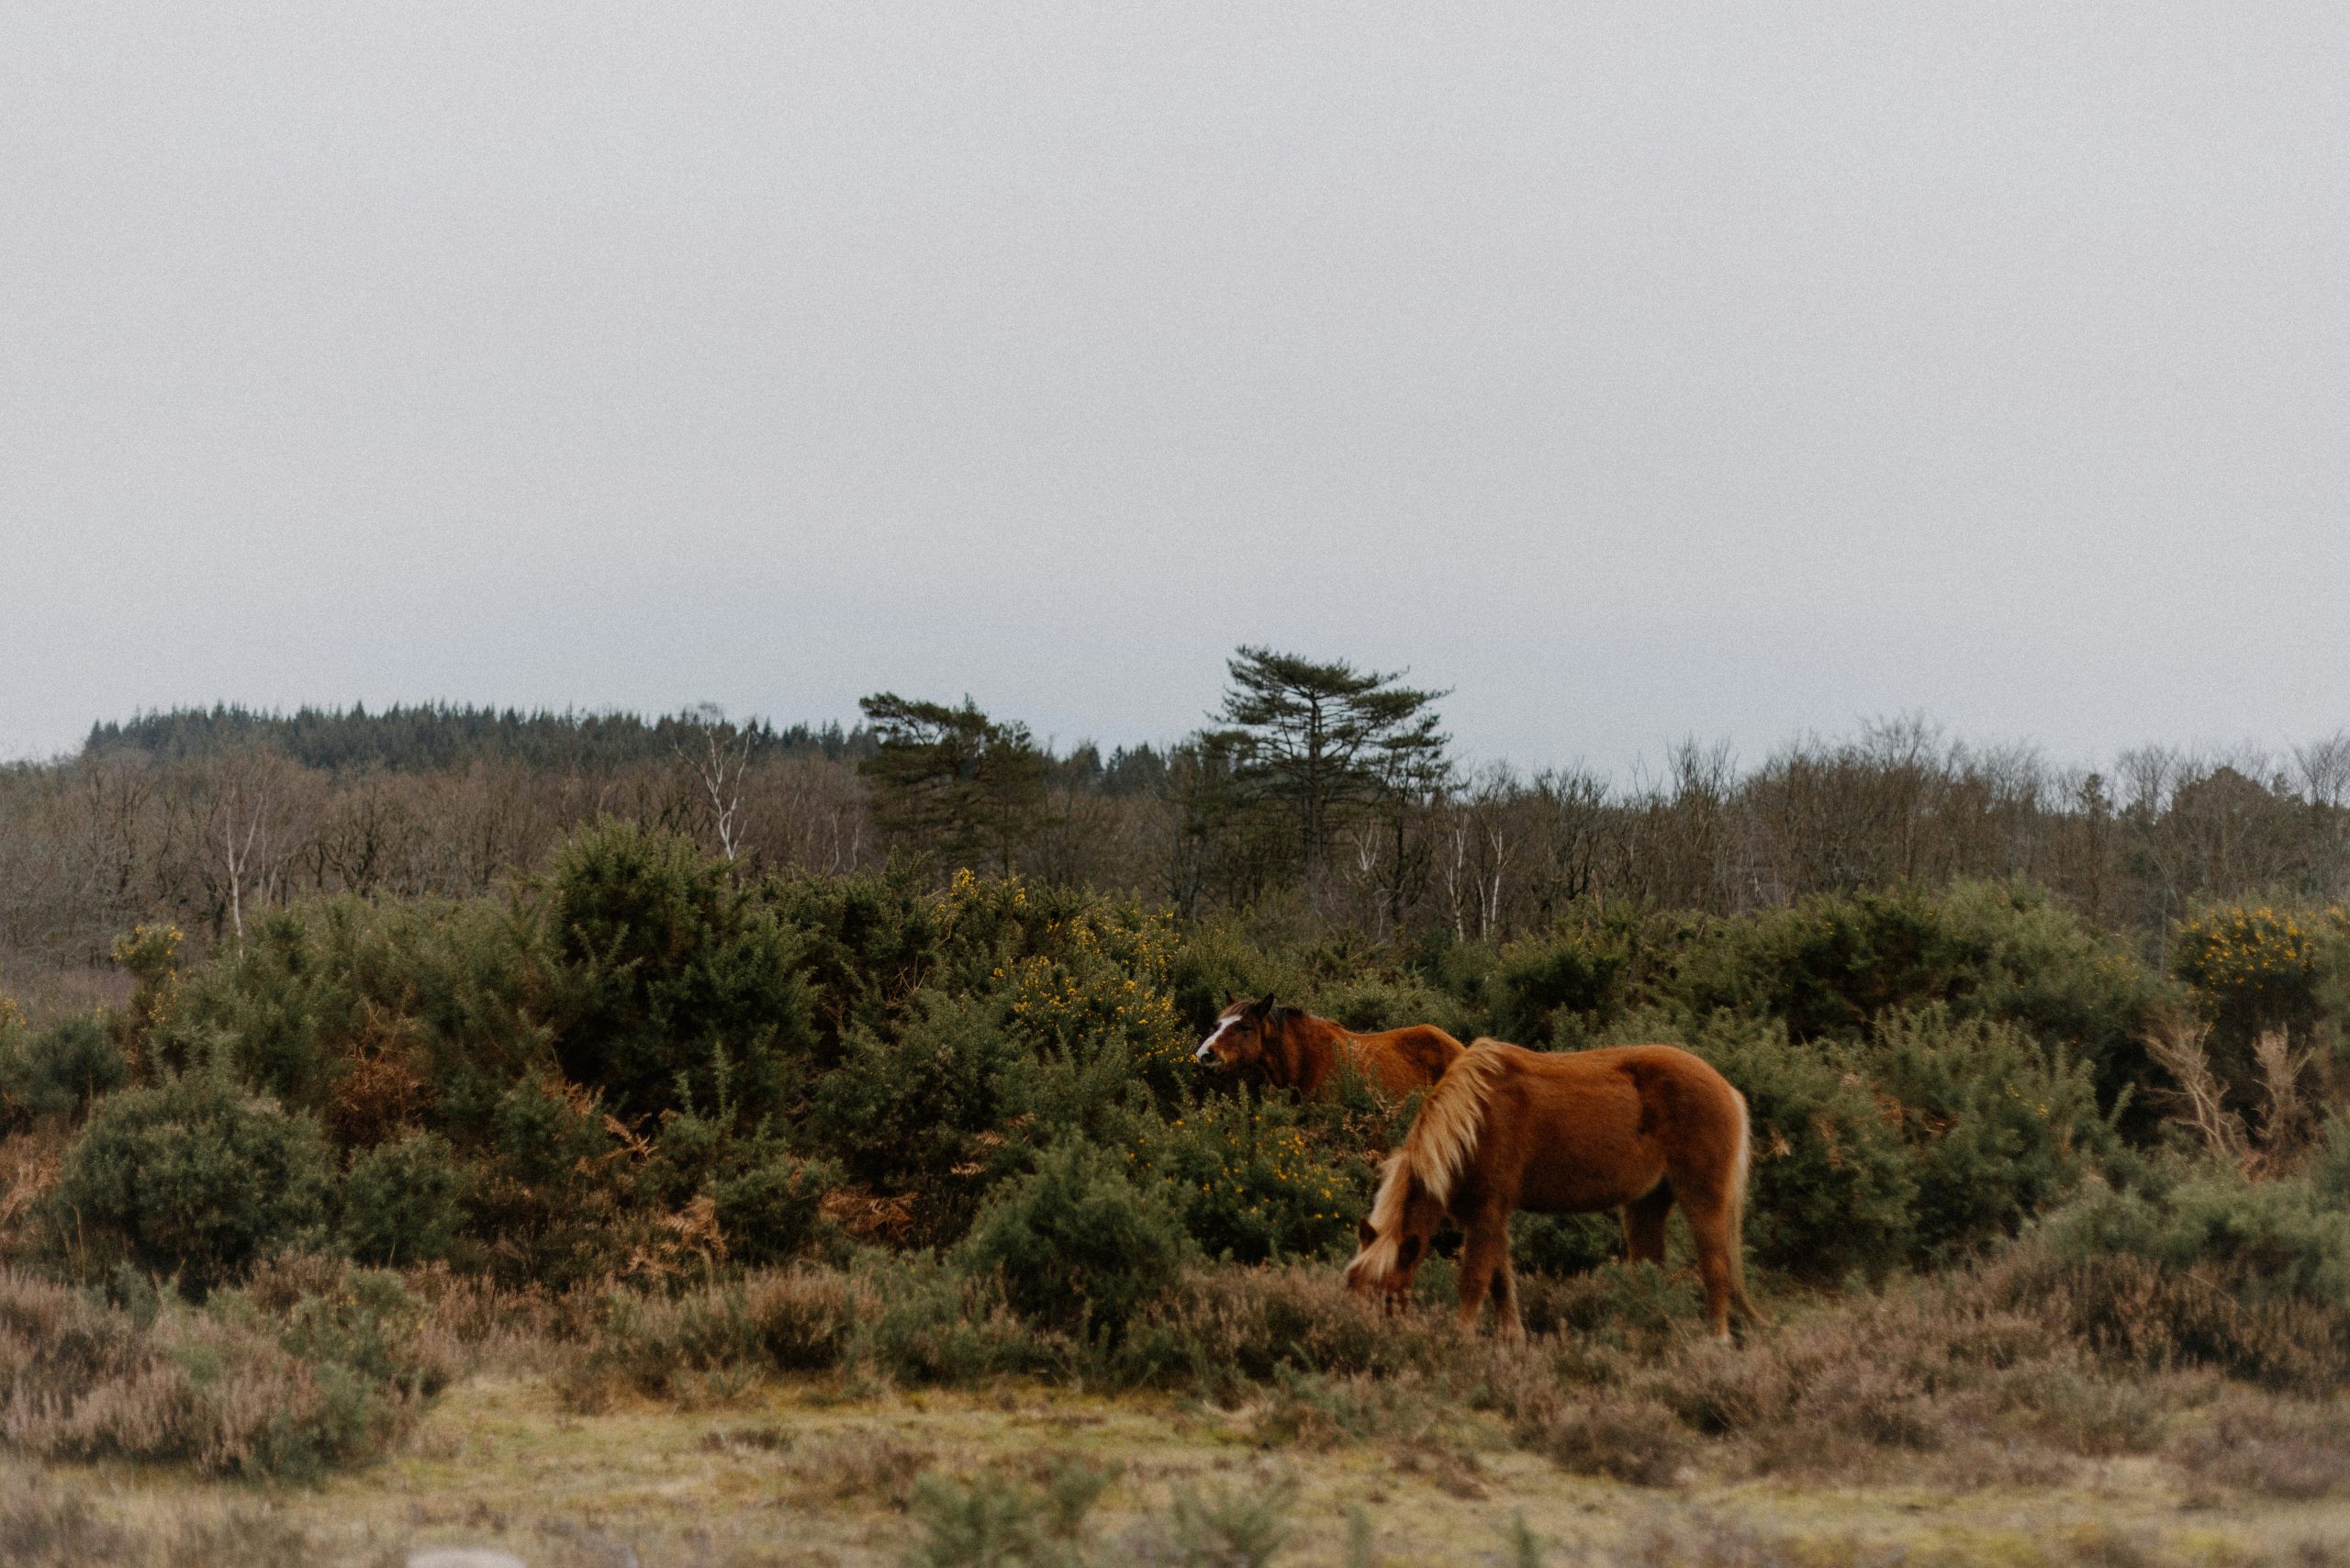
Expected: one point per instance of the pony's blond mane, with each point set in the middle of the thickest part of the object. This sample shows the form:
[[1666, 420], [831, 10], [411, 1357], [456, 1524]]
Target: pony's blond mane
[[1442, 1137]]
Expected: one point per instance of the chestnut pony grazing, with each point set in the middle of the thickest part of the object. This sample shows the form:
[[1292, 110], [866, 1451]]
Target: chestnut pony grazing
[[1299, 1051], [1637, 1127]]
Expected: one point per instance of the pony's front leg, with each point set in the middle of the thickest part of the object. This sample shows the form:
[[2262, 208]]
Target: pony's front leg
[[1485, 1262], [1506, 1323]]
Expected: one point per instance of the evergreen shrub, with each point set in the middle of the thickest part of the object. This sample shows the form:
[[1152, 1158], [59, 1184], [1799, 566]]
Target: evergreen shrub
[[1998, 1127], [1253, 1179], [770, 1209], [192, 1176], [1077, 1246], [1553, 990], [400, 1201], [675, 985], [57, 1070], [1832, 1190]]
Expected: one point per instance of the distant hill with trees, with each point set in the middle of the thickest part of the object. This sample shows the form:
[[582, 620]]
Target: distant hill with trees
[[1316, 793], [433, 737]]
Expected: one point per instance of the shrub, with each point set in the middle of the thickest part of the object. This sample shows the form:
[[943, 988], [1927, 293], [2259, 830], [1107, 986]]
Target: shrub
[[1228, 1527], [1250, 1185], [676, 986], [1080, 969], [2086, 1414], [2252, 1277], [915, 1319], [61, 1069], [363, 1338], [769, 1211], [1220, 960], [1638, 1305], [1042, 1016], [400, 1200], [1623, 1437], [804, 1319], [1933, 1134], [918, 1110], [44, 1526], [1077, 1245], [2330, 1170], [911, 1318], [939, 1324], [1550, 991], [2249, 969], [271, 1007], [1217, 1327], [2269, 1239], [1563, 1244], [151, 955], [315, 1365], [193, 1178], [2002, 952], [2289, 1449], [1322, 1411], [342, 999], [1831, 1189], [2075, 988], [994, 1519], [1998, 1128], [1370, 1003], [546, 1130], [658, 1344], [864, 1464], [864, 945], [555, 1196]]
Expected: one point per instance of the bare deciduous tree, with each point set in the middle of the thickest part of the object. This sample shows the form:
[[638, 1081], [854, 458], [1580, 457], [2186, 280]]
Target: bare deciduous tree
[[720, 759], [257, 805]]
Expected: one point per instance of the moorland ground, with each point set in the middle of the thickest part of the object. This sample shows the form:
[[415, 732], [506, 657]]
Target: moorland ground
[[794, 1475]]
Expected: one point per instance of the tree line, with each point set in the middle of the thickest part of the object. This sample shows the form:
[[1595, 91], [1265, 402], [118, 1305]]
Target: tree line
[[1320, 794]]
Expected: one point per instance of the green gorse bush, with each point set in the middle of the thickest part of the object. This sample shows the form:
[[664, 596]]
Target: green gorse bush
[[194, 1178]]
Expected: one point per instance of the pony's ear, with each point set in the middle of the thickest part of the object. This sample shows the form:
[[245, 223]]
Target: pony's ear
[[1266, 1007], [1364, 1232]]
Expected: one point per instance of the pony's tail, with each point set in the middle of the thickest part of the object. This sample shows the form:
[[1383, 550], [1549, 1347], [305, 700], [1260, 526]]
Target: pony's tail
[[1741, 1167]]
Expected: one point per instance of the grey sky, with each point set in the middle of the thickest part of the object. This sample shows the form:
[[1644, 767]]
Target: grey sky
[[1717, 370]]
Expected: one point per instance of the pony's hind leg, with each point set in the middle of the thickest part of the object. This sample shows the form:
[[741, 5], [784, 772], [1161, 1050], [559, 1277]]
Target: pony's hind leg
[[1644, 1225], [1485, 1262], [1709, 1220]]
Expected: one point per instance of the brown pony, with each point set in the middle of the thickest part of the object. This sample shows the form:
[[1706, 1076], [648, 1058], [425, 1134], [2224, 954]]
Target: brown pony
[[1299, 1051], [1637, 1127]]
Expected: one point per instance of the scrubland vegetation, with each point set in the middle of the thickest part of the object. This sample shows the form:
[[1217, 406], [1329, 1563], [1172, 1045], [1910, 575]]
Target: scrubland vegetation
[[650, 1114]]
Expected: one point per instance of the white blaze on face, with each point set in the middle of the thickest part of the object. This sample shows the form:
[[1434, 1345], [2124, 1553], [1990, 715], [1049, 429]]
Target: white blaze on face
[[1204, 1053]]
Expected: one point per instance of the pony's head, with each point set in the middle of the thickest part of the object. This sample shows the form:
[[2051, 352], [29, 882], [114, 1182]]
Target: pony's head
[[1395, 1239], [1241, 1034]]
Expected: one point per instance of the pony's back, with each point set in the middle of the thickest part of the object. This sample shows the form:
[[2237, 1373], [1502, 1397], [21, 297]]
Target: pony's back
[[1403, 1061]]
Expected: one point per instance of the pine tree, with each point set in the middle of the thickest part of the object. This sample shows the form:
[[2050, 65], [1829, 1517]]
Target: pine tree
[[1323, 740], [951, 780]]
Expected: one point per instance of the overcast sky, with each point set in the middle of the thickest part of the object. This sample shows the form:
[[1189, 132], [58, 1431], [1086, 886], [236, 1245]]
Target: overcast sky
[[1636, 372]]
